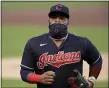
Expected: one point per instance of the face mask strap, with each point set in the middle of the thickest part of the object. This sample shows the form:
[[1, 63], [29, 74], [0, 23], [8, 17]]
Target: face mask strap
[[67, 21]]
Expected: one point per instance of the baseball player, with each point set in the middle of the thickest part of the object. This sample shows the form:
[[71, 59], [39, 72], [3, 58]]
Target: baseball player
[[55, 59]]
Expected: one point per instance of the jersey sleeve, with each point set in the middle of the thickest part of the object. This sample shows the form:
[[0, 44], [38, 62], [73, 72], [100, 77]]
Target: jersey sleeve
[[27, 61], [92, 55]]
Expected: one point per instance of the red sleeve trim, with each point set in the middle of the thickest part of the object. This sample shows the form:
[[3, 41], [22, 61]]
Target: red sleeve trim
[[34, 78]]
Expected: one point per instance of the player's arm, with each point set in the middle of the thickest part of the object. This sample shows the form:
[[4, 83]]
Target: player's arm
[[27, 64], [94, 59], [27, 68]]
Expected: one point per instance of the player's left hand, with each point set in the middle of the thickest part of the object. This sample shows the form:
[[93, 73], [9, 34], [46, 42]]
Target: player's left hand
[[78, 81], [91, 82]]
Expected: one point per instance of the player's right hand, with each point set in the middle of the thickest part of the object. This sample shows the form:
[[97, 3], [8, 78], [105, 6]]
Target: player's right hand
[[47, 77]]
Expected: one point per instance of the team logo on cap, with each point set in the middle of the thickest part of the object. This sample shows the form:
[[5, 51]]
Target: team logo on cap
[[59, 7]]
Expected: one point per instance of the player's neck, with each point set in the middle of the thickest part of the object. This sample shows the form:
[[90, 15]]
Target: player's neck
[[58, 42]]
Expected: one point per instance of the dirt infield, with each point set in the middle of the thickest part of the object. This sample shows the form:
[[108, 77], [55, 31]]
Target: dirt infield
[[11, 68], [88, 16]]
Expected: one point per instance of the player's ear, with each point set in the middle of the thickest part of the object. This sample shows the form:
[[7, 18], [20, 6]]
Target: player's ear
[[49, 21], [67, 21]]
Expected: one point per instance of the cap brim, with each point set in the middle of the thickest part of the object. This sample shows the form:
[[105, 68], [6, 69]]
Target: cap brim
[[58, 12]]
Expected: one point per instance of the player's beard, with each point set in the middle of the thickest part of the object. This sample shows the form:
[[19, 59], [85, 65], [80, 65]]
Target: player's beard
[[58, 31]]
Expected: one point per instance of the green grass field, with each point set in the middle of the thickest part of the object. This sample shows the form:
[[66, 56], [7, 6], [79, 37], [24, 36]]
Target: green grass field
[[19, 83], [15, 37], [36, 5]]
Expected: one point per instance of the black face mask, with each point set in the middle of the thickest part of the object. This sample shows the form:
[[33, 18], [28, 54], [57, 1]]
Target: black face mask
[[58, 30]]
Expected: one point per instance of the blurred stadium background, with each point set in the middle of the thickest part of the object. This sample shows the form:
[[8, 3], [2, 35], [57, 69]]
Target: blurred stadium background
[[23, 20]]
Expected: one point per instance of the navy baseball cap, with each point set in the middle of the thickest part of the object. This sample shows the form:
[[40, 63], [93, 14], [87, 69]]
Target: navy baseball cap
[[59, 9]]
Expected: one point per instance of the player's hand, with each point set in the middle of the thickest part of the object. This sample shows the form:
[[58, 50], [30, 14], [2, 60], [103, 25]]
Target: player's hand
[[47, 77], [91, 81]]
